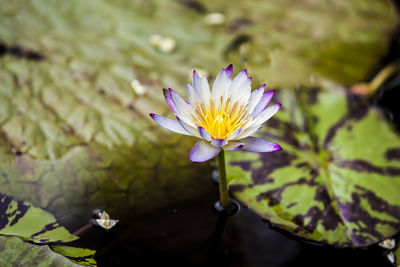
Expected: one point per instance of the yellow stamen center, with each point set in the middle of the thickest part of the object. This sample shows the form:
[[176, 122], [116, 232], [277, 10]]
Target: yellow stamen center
[[221, 120]]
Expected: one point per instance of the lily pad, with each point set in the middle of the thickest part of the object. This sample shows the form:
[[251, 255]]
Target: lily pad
[[81, 256], [16, 252], [143, 178], [23, 220], [77, 89], [20, 218], [337, 178]]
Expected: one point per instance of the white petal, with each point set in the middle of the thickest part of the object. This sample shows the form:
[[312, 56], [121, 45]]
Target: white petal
[[259, 145], [193, 131], [235, 134], [183, 109], [244, 91], [240, 88], [196, 82], [249, 132], [255, 98], [169, 124], [203, 151], [169, 101], [266, 114], [219, 142], [239, 79], [264, 101], [192, 94], [232, 146], [200, 85], [204, 134], [221, 84]]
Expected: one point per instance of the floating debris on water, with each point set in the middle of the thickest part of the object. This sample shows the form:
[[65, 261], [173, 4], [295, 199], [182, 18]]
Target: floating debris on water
[[215, 19], [155, 39], [164, 44], [138, 87], [390, 256], [105, 221], [388, 243]]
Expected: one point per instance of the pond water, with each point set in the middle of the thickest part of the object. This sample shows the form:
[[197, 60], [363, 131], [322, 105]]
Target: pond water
[[191, 233]]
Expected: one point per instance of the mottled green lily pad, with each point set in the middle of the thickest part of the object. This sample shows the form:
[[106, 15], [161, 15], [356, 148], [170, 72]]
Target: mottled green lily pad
[[66, 80], [16, 252], [81, 256], [20, 218], [336, 180]]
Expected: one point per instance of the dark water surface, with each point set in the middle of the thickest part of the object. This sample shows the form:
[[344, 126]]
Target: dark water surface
[[187, 234]]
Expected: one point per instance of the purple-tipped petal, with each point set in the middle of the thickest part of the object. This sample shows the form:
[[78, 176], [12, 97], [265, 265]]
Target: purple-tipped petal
[[203, 151], [255, 98], [195, 76], [259, 145], [235, 134], [249, 132], [233, 146], [240, 88], [169, 101], [266, 114], [183, 108], [240, 78], [221, 85], [263, 86], [174, 95], [219, 142], [196, 81], [169, 124], [192, 94], [204, 134], [201, 86], [229, 71], [188, 128], [262, 105]]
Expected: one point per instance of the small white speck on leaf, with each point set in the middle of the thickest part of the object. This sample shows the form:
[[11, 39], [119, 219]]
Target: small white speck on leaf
[[163, 44], [138, 87], [215, 18]]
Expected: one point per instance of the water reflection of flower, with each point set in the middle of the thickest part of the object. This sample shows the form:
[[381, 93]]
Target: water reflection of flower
[[224, 118]]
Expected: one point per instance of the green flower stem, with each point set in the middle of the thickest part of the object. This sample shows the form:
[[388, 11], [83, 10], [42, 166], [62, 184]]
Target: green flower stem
[[223, 186]]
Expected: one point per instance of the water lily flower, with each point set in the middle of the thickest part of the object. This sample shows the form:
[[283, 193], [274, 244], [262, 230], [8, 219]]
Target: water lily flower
[[224, 118]]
